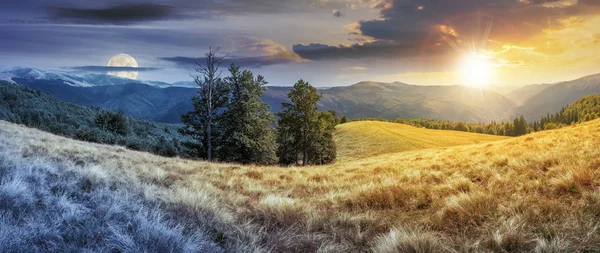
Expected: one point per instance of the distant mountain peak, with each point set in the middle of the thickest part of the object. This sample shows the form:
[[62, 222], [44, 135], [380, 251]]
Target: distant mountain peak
[[78, 79], [592, 77], [379, 84]]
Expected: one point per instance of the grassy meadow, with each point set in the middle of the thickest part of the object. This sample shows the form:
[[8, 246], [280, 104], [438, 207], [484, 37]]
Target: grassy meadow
[[535, 193], [362, 139]]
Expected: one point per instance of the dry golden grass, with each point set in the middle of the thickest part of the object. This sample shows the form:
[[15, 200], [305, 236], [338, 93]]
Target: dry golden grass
[[362, 139], [540, 192]]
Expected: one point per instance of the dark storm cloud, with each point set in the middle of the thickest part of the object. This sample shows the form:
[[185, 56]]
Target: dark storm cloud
[[124, 12], [115, 14], [109, 68], [251, 62], [412, 25], [370, 49], [61, 40], [513, 20]]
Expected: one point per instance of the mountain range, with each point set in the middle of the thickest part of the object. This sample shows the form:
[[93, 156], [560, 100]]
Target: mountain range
[[536, 101], [165, 102]]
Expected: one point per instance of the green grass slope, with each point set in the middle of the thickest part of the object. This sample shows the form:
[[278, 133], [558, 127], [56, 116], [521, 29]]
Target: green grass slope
[[361, 139]]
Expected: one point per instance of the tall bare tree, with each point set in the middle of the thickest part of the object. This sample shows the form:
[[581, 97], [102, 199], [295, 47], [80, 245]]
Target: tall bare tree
[[212, 95]]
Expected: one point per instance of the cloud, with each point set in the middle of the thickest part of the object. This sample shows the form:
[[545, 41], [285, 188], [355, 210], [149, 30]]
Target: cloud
[[110, 68], [355, 68], [126, 12], [248, 62], [377, 49], [439, 27], [118, 14], [513, 20], [257, 53]]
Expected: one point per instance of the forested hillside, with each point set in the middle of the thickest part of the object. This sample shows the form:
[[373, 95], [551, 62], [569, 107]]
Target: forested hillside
[[39, 110], [585, 109]]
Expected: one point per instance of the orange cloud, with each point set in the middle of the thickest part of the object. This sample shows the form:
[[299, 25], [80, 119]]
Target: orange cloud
[[447, 30]]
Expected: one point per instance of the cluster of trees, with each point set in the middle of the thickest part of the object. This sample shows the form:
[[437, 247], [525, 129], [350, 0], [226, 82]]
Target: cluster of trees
[[304, 132], [39, 110], [231, 123]]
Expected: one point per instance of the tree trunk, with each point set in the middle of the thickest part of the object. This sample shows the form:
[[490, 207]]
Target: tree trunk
[[304, 147], [209, 125], [304, 158]]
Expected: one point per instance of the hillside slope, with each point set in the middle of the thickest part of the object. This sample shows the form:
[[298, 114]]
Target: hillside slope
[[536, 193], [362, 139], [520, 95], [398, 100], [21, 105], [555, 96]]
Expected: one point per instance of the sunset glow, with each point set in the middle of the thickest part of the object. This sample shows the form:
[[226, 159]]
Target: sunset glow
[[476, 70]]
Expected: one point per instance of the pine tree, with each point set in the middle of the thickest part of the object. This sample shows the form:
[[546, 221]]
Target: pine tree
[[246, 133], [520, 126], [343, 120], [324, 149], [303, 131]]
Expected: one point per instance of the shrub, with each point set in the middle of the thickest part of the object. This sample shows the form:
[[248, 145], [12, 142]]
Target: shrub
[[111, 121]]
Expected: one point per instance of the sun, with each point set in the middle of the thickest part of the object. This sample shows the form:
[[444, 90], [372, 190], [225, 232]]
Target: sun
[[476, 70]]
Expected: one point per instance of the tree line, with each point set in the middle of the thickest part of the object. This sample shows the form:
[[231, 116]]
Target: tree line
[[585, 109], [517, 127], [231, 123]]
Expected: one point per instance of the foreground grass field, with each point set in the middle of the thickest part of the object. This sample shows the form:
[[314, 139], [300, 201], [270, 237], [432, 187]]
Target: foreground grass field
[[536, 193], [361, 139]]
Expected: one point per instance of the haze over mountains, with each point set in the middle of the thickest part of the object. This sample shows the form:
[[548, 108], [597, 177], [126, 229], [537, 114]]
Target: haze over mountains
[[536, 101], [165, 102]]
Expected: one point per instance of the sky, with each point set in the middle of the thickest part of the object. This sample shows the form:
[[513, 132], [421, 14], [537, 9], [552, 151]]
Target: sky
[[325, 42]]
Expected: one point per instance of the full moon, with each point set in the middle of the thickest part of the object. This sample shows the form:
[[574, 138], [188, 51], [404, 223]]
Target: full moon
[[123, 60]]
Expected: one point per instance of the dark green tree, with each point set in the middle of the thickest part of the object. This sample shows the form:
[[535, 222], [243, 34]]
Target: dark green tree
[[115, 122], [520, 126], [212, 97], [324, 149], [461, 126], [343, 120], [303, 131], [246, 134]]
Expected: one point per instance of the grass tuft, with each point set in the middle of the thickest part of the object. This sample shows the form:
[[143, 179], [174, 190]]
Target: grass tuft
[[465, 210], [410, 241]]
